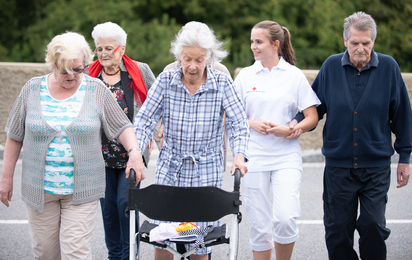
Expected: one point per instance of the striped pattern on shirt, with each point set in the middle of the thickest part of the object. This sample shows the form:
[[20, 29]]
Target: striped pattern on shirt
[[59, 166]]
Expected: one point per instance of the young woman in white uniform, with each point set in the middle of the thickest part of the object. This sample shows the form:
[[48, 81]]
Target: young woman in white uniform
[[272, 90]]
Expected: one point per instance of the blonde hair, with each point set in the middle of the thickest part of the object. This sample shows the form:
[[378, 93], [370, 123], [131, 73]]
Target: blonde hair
[[65, 48]]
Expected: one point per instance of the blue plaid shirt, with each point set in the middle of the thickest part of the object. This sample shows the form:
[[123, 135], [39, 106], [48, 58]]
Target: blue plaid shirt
[[193, 126]]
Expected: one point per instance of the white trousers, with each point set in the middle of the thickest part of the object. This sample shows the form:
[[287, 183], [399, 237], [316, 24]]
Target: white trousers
[[62, 230], [268, 224]]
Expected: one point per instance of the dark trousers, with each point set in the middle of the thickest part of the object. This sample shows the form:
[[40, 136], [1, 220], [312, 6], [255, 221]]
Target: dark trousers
[[343, 189], [116, 224]]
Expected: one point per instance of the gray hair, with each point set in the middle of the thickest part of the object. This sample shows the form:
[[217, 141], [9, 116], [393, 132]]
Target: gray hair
[[65, 48], [361, 22], [109, 30], [197, 34]]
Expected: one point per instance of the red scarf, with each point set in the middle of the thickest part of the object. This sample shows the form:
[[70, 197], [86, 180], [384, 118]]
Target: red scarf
[[137, 83]]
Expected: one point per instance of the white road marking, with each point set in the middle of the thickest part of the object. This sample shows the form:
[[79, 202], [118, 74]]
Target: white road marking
[[388, 221], [301, 222]]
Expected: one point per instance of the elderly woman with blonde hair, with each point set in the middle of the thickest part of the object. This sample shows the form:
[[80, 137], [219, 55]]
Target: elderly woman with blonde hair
[[193, 99], [58, 119]]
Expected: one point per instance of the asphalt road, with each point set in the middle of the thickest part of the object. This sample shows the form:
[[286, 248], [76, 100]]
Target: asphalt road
[[15, 240]]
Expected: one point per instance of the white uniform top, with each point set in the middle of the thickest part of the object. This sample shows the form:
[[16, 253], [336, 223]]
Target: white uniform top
[[274, 96]]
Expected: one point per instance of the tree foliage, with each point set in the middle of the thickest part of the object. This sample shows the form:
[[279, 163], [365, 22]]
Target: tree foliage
[[316, 26]]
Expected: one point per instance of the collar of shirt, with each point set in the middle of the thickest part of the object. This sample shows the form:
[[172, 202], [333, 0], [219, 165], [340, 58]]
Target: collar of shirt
[[374, 61], [258, 67], [211, 81]]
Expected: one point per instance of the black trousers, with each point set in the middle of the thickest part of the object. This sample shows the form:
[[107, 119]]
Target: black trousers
[[344, 190]]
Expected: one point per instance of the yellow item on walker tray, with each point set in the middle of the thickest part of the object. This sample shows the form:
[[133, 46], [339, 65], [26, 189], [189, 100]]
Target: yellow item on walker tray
[[185, 226]]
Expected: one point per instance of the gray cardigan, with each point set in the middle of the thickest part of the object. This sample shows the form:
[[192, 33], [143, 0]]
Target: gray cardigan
[[27, 124]]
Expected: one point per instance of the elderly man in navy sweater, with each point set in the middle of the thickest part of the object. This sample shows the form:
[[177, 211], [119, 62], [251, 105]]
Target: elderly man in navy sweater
[[365, 99]]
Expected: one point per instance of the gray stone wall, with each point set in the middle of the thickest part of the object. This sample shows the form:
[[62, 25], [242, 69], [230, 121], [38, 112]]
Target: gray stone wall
[[14, 75]]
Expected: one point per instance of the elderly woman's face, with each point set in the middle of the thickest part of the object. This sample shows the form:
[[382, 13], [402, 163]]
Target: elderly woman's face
[[109, 52], [193, 61], [69, 80]]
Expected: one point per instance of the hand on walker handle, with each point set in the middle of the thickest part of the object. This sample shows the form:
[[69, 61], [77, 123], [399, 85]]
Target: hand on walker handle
[[239, 163], [135, 162]]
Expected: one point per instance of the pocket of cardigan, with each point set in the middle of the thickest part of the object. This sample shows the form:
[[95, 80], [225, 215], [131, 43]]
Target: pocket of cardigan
[[377, 143]]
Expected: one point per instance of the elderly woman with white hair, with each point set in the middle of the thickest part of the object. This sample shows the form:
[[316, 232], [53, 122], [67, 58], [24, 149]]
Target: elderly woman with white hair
[[192, 100], [129, 82], [58, 119]]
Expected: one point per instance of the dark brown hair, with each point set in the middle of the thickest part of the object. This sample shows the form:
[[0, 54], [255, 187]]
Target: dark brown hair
[[281, 34]]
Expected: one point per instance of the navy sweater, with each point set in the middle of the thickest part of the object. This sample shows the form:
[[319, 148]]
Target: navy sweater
[[360, 137]]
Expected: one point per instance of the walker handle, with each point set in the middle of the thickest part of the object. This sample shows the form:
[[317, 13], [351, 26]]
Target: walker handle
[[237, 180], [132, 178]]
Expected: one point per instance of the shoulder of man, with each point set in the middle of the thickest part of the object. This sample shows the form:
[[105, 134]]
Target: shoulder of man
[[334, 58], [386, 59], [332, 63]]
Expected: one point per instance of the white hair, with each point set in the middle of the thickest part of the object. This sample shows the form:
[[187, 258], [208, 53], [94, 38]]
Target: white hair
[[360, 21], [197, 34], [109, 30], [65, 48]]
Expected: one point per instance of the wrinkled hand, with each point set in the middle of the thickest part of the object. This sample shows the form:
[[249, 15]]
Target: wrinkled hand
[[403, 174], [297, 133], [259, 126], [135, 162], [239, 163], [279, 130], [6, 190]]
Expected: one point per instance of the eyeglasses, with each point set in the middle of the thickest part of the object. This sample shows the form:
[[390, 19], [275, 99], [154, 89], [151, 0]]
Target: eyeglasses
[[108, 50], [75, 70]]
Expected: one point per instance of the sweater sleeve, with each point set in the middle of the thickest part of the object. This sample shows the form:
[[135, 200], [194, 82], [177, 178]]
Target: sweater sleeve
[[114, 120], [15, 125], [401, 119], [318, 88]]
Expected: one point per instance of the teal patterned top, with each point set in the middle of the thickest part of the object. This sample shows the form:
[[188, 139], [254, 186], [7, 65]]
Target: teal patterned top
[[59, 167]]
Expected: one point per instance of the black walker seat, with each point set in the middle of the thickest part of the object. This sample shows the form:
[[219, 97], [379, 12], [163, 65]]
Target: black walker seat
[[186, 204]]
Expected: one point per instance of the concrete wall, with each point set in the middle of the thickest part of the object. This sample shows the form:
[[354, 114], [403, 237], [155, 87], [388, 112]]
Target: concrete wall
[[14, 75]]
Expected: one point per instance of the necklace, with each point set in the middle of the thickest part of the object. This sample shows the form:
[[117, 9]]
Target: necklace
[[112, 73]]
